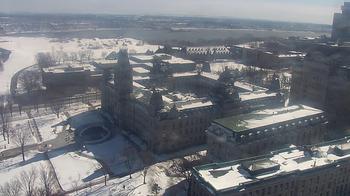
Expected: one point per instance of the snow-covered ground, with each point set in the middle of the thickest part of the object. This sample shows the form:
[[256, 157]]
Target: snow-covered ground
[[49, 126], [81, 119], [12, 168], [112, 152], [24, 49], [17, 125], [74, 170], [157, 173]]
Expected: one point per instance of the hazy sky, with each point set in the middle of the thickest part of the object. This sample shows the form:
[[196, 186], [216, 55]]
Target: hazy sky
[[316, 11]]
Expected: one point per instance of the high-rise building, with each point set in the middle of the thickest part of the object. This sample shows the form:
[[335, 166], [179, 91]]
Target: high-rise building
[[323, 81], [341, 24]]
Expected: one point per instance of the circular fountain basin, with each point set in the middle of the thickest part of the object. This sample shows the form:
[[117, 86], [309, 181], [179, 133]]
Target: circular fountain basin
[[94, 134]]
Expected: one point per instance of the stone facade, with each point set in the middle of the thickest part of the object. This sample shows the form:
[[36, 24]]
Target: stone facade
[[323, 81], [341, 24], [259, 132], [171, 111], [298, 171]]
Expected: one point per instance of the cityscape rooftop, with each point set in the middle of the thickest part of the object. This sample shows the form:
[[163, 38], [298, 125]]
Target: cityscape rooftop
[[236, 175], [259, 119]]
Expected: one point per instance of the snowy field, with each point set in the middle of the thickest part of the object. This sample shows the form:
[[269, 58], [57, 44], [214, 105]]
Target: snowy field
[[12, 168], [24, 49], [74, 170]]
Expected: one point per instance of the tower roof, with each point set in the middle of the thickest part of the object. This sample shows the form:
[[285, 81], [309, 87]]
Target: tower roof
[[123, 57]]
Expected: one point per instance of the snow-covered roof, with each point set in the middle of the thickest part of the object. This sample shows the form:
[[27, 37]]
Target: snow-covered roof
[[248, 96], [136, 78], [140, 70], [184, 74], [210, 75], [195, 50], [236, 174], [293, 55], [194, 104], [73, 67], [138, 85], [105, 61], [166, 58], [142, 57], [267, 117], [249, 87]]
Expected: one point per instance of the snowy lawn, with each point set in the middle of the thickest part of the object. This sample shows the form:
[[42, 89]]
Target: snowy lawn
[[48, 126], [113, 154], [125, 186], [11, 168], [74, 170], [16, 125]]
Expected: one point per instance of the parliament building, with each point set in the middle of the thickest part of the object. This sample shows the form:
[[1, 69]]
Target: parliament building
[[170, 111]]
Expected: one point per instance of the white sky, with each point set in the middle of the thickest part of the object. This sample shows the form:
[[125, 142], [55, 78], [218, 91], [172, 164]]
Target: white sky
[[316, 11]]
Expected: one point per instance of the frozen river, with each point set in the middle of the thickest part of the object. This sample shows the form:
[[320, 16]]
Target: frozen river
[[24, 49]]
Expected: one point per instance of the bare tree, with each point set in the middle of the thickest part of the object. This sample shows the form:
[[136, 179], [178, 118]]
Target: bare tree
[[144, 173], [3, 117], [5, 125], [10, 104], [130, 159], [21, 138], [47, 180], [2, 107], [89, 55], [27, 181], [44, 60], [199, 69], [30, 81], [182, 168], [11, 188], [75, 184], [81, 56], [155, 188], [146, 157], [65, 57], [56, 109], [73, 56]]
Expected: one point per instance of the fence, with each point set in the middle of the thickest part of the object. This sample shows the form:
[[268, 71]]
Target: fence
[[85, 98]]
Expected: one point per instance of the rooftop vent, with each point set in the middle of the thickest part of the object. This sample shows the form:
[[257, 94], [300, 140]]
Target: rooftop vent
[[258, 167], [341, 150]]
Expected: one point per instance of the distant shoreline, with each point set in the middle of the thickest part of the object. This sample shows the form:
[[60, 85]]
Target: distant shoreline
[[180, 34]]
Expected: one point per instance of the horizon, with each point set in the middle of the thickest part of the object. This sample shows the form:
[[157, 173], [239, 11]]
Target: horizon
[[311, 11], [158, 15]]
